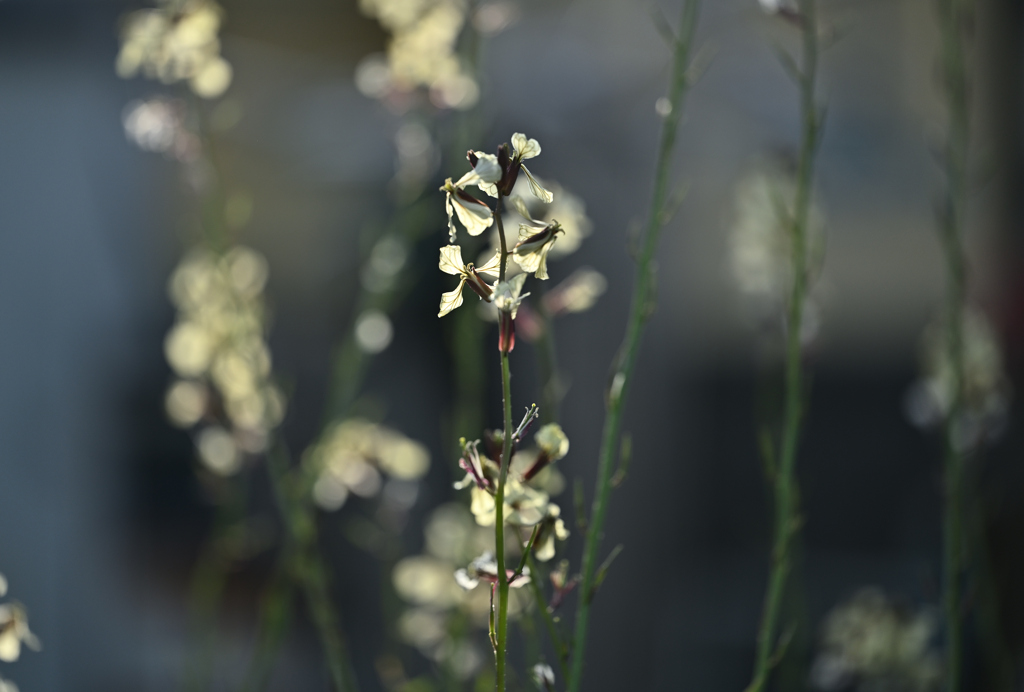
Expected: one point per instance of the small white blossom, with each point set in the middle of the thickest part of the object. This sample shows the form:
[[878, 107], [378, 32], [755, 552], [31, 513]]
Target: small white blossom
[[486, 172], [475, 215], [451, 263], [522, 149], [531, 252], [14, 632]]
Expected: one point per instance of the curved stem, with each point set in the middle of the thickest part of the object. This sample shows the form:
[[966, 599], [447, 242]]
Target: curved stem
[[787, 522], [639, 311], [954, 17]]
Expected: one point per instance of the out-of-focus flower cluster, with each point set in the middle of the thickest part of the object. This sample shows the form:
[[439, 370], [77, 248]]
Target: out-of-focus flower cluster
[[986, 389], [14, 633], [176, 41], [870, 644], [423, 51], [158, 125], [760, 243], [442, 615], [352, 457], [218, 351]]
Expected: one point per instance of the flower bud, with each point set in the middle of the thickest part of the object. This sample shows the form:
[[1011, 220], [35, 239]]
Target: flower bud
[[506, 332], [510, 170], [473, 158]]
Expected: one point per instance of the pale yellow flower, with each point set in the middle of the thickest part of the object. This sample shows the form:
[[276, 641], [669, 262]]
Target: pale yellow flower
[[14, 632], [531, 252], [475, 215], [522, 149], [451, 263]]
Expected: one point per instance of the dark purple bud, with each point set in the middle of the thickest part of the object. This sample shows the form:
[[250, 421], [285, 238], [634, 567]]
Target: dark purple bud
[[509, 170], [506, 332], [466, 197], [471, 155], [478, 285]]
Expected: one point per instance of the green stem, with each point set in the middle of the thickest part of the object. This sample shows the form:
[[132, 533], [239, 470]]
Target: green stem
[[542, 607], [954, 17], [639, 312], [786, 525], [501, 635], [307, 570], [275, 615]]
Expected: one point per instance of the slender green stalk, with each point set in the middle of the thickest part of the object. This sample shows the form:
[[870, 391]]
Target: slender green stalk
[[640, 310], [787, 522], [307, 568], [561, 650], [954, 16], [501, 634], [275, 615], [501, 630], [209, 579]]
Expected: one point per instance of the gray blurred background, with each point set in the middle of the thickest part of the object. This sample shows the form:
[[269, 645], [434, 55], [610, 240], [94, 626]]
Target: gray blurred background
[[100, 517]]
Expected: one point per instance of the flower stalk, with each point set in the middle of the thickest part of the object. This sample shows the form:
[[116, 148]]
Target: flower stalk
[[954, 18], [640, 311], [785, 491]]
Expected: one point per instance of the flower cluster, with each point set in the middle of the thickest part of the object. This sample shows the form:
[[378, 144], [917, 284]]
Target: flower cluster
[[351, 457], [439, 609], [496, 176], [760, 243], [176, 41], [421, 52], [14, 633], [871, 643], [986, 388], [217, 349], [531, 482]]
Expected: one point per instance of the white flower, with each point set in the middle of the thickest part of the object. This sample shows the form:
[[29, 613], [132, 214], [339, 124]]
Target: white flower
[[485, 568], [531, 252], [451, 263], [475, 215], [486, 172], [508, 294], [14, 632], [522, 149], [544, 676]]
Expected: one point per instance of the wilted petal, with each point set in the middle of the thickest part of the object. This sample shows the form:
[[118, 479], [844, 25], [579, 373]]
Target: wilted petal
[[452, 299], [486, 171], [524, 148]]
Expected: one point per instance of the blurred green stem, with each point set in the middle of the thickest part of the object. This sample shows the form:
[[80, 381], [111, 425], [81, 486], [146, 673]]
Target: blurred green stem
[[955, 17], [786, 494], [561, 650], [640, 310]]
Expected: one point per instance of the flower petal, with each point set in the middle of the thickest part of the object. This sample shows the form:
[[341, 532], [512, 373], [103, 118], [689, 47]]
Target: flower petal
[[486, 171], [534, 259], [476, 217], [451, 260], [491, 266], [525, 148], [520, 206], [451, 220], [452, 299], [537, 189]]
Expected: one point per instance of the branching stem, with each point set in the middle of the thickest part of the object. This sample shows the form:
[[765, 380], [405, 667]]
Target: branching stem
[[787, 520], [640, 310]]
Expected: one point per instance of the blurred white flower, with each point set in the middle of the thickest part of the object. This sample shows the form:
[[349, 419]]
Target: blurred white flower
[[14, 632], [176, 41], [870, 643]]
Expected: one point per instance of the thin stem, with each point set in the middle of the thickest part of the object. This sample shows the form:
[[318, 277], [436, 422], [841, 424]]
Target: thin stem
[[954, 16], [307, 569], [640, 310], [499, 525], [542, 606], [275, 615], [787, 523], [501, 239]]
